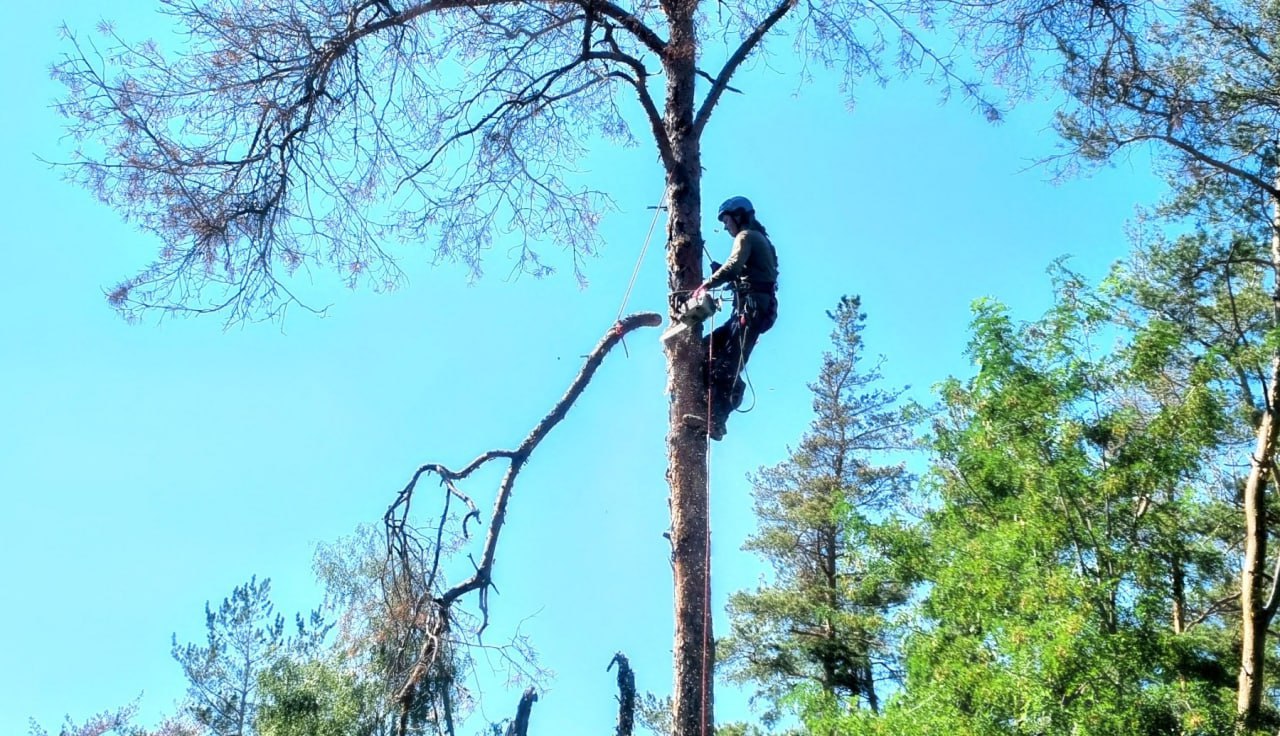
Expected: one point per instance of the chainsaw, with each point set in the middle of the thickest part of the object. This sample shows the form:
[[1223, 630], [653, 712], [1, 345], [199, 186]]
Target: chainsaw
[[691, 312]]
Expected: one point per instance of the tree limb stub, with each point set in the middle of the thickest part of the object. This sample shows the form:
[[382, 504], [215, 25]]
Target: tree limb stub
[[626, 694], [520, 726]]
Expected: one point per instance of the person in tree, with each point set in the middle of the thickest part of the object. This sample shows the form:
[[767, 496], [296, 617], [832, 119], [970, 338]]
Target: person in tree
[[752, 271]]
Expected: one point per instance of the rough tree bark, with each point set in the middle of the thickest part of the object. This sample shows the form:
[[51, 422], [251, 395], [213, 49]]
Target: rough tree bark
[[626, 694], [520, 726], [693, 711], [692, 707]]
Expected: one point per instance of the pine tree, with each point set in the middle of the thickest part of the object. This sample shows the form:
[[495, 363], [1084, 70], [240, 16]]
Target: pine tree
[[822, 630], [246, 638]]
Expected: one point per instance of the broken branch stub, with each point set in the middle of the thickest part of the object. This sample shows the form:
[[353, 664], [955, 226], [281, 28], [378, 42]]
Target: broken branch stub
[[626, 694], [520, 726]]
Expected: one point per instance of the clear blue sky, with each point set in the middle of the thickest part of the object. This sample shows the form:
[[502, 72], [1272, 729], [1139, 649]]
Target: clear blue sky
[[146, 469]]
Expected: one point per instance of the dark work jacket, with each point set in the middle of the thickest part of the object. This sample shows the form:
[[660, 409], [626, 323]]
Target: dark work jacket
[[753, 264]]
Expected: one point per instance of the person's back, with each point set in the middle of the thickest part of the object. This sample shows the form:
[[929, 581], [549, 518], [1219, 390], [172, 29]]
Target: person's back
[[762, 267]]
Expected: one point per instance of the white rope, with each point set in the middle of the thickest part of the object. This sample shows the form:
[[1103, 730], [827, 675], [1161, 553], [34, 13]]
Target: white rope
[[640, 261]]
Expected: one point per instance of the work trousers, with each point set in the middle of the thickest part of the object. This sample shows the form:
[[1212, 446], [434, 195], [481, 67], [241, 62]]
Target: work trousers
[[730, 348]]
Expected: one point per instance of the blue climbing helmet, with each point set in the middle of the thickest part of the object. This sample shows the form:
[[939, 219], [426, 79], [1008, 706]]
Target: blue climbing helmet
[[735, 205]]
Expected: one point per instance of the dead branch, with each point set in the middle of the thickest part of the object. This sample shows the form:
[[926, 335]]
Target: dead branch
[[434, 612], [626, 694], [520, 455]]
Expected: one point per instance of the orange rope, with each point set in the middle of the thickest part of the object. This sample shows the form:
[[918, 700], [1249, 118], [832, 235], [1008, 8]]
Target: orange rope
[[706, 562]]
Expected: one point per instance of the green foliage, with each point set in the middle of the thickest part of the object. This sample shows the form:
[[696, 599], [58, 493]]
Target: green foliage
[[1072, 529], [653, 714], [316, 698], [244, 638], [1078, 570], [746, 729]]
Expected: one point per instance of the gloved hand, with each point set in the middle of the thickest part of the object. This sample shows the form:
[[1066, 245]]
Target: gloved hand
[[699, 292]]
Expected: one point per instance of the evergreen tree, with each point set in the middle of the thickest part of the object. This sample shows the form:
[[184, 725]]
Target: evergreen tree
[[245, 639], [823, 629]]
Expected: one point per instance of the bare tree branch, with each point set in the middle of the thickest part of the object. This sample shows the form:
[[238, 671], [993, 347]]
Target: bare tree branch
[[628, 21], [433, 611], [726, 72], [274, 140], [640, 82]]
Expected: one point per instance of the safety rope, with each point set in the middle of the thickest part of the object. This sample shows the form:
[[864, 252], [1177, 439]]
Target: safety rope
[[742, 348], [706, 561], [635, 272], [746, 378]]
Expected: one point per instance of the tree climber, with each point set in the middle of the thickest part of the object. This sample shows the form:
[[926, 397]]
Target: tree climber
[[752, 270]]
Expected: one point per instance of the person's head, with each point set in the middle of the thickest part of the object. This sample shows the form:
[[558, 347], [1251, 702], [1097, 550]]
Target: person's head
[[737, 214]]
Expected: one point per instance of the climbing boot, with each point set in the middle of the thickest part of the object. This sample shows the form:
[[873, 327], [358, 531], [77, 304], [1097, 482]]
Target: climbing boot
[[717, 430], [699, 422], [739, 391], [694, 421]]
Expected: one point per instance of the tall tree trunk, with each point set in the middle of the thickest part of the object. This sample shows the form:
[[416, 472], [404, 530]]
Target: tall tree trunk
[[1254, 618], [692, 711], [1255, 612], [1179, 595]]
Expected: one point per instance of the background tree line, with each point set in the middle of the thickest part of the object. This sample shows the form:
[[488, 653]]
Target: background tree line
[[1068, 560], [1085, 545]]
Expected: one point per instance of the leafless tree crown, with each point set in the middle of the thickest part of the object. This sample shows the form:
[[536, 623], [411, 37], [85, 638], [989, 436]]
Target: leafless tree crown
[[318, 134]]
